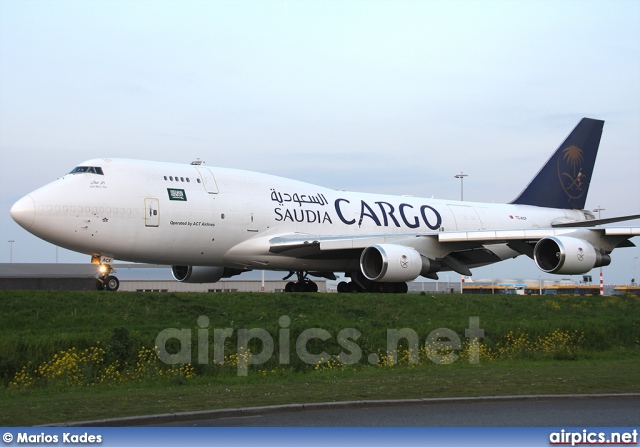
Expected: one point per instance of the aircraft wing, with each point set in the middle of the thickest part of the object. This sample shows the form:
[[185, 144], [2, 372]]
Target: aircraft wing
[[316, 243], [455, 250], [528, 235]]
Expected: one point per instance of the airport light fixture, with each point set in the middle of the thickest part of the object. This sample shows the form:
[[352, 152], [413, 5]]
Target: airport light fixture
[[461, 176], [597, 210], [11, 251]]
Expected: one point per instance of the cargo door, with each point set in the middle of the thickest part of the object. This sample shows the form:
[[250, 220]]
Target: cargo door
[[208, 180], [466, 217]]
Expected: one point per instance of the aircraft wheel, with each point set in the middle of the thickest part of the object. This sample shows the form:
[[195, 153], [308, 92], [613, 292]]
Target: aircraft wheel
[[289, 287], [311, 287], [112, 283], [402, 288]]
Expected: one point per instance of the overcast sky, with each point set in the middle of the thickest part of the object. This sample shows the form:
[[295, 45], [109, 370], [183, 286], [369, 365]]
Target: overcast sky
[[376, 96]]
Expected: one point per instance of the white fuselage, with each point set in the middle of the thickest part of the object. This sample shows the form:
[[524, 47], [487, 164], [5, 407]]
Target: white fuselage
[[177, 214]]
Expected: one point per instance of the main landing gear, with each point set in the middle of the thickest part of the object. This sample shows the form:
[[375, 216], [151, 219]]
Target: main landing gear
[[302, 285], [358, 284], [106, 281]]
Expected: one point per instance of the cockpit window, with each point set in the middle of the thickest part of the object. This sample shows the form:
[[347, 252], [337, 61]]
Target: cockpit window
[[87, 170]]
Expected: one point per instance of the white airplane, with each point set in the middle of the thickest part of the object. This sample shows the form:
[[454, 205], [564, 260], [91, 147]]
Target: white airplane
[[211, 223]]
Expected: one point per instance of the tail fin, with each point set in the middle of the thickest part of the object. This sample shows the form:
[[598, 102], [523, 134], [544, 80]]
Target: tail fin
[[563, 182]]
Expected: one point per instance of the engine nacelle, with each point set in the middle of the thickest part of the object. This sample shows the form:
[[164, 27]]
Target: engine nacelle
[[390, 263], [567, 255], [198, 274]]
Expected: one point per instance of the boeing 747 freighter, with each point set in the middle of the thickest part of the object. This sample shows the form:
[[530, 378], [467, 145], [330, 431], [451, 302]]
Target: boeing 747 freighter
[[211, 223]]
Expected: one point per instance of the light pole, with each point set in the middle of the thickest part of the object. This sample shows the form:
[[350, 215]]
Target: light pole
[[540, 285], [461, 176], [597, 210], [11, 251]]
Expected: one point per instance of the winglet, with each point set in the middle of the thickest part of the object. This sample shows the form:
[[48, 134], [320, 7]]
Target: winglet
[[563, 182]]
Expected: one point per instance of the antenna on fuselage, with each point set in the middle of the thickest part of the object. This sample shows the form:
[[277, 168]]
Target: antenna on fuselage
[[198, 162]]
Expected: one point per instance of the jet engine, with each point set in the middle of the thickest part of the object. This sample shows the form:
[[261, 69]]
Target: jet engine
[[567, 255], [390, 263], [201, 274]]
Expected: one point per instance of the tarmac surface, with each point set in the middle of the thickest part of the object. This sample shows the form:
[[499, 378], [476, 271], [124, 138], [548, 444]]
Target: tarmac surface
[[606, 410]]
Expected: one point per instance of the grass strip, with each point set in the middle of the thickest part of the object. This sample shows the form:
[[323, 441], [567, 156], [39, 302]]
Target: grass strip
[[595, 376], [35, 326]]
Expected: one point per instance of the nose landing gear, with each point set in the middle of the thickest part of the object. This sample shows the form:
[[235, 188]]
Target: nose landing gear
[[106, 281]]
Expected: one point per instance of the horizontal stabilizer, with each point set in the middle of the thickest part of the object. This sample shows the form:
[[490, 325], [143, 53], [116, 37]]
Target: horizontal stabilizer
[[591, 223]]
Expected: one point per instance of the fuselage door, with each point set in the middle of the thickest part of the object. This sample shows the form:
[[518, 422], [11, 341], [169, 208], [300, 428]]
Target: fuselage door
[[208, 180], [152, 212], [466, 217]]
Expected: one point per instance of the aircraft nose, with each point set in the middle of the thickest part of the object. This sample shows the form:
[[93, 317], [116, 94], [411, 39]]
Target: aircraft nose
[[24, 212]]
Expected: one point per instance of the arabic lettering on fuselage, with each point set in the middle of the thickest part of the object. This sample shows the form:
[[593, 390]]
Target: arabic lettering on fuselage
[[300, 199], [97, 184], [406, 214]]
